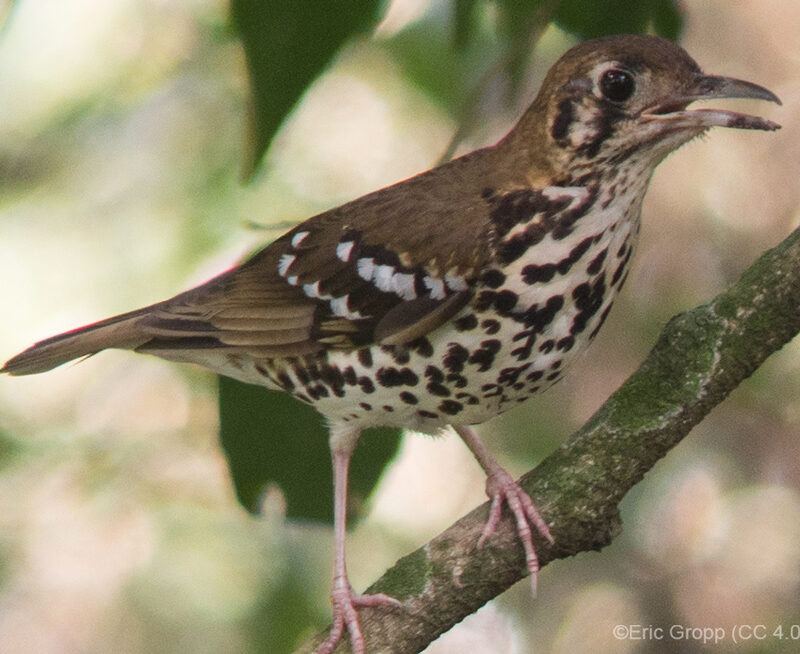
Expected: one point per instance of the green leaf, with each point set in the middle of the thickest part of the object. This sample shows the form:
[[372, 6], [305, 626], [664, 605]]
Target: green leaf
[[287, 45], [594, 18], [270, 437]]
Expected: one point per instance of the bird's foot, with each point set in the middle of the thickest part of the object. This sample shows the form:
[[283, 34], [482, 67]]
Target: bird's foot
[[500, 487], [345, 614]]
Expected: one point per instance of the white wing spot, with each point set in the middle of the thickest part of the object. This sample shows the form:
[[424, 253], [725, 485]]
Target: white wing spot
[[313, 290], [383, 277], [344, 249], [292, 280], [455, 283], [403, 284], [365, 268], [298, 238], [340, 307], [436, 287], [284, 263]]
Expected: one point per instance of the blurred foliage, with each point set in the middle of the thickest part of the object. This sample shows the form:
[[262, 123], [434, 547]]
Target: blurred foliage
[[119, 531], [287, 45], [450, 54], [270, 437]]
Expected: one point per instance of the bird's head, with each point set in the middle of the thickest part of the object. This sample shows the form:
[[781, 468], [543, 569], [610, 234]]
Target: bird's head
[[612, 98]]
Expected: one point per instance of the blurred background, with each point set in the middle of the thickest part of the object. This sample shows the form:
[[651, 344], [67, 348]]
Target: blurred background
[[121, 149]]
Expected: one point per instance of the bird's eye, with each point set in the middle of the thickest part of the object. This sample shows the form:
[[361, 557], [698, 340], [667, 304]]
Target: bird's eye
[[617, 85]]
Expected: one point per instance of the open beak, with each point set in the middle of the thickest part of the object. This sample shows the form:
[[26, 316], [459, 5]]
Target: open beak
[[711, 87]]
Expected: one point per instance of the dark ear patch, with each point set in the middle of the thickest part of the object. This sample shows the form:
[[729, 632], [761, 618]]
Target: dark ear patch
[[563, 120]]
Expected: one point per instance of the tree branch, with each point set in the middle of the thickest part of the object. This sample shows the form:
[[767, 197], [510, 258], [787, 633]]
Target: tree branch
[[700, 357]]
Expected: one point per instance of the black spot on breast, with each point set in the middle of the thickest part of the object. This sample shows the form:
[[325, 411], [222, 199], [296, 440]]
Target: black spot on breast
[[365, 357], [565, 344], [366, 384], [466, 323], [389, 376], [493, 278], [505, 301], [588, 300], [399, 353], [538, 318], [510, 375], [469, 398], [408, 398], [490, 326], [435, 388], [302, 375], [365, 405], [434, 374], [349, 375], [285, 381], [457, 355], [597, 263], [483, 357], [450, 407], [409, 377], [501, 301], [427, 414], [547, 346], [459, 381], [600, 322], [621, 267], [422, 346], [536, 375], [532, 274], [388, 408], [317, 392], [538, 274], [334, 378], [491, 390]]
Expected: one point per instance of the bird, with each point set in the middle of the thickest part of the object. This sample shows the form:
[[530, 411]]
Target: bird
[[450, 297]]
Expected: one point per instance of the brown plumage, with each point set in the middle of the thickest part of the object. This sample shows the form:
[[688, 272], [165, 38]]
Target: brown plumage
[[451, 296]]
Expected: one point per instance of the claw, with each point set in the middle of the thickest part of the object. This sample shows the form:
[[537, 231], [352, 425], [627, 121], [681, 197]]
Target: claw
[[501, 487], [345, 614]]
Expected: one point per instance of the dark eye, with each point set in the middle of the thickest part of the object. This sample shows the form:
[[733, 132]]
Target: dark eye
[[617, 85]]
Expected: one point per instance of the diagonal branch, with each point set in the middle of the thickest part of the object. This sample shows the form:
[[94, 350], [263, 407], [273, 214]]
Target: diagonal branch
[[700, 357]]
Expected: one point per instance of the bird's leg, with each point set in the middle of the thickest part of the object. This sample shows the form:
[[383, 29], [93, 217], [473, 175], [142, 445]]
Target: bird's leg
[[500, 487], [345, 602]]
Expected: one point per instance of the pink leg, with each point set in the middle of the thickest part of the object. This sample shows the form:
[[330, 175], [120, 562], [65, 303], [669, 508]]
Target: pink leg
[[500, 486], [345, 601]]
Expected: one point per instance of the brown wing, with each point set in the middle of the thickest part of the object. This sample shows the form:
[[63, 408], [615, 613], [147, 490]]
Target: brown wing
[[386, 268], [370, 271]]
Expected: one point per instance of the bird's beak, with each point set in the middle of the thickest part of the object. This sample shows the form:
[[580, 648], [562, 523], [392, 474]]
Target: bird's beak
[[711, 87]]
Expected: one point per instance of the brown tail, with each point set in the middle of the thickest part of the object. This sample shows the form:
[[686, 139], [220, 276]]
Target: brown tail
[[117, 332]]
